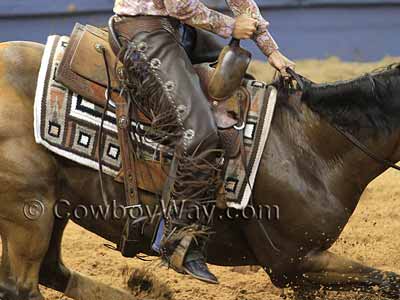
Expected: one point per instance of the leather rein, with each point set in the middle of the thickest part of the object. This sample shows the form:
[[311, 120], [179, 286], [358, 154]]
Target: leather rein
[[351, 138]]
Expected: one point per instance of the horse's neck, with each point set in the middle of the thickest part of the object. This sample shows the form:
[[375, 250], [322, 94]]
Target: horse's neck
[[344, 168]]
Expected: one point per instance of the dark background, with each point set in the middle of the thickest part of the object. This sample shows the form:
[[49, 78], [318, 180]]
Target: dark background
[[357, 30]]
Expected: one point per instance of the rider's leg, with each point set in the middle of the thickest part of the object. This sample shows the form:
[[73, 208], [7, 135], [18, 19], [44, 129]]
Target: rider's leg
[[166, 88]]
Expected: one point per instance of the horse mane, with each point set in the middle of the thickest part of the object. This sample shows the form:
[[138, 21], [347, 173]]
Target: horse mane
[[371, 101]]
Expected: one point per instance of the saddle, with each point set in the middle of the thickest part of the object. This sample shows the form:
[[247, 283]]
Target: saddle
[[83, 71]]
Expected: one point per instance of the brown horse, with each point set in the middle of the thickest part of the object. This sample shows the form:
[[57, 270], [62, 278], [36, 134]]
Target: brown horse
[[310, 170]]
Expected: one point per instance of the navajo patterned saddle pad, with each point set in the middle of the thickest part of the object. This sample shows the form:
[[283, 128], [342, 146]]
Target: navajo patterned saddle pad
[[68, 125]]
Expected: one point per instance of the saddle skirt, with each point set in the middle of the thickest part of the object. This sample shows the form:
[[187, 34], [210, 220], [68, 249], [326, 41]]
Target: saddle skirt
[[70, 100]]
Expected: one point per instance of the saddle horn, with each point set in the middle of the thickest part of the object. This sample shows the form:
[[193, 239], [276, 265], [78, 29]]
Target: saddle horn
[[231, 68]]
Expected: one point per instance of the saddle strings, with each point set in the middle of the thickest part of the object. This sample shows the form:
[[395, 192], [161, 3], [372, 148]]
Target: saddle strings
[[100, 145]]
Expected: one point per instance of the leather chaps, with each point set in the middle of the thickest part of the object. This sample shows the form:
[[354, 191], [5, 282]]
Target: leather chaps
[[162, 84]]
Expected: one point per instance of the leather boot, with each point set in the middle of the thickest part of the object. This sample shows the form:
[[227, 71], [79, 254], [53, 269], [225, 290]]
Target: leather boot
[[185, 240], [195, 265]]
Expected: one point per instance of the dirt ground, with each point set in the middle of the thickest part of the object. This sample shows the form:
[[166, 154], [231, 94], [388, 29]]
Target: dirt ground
[[372, 237]]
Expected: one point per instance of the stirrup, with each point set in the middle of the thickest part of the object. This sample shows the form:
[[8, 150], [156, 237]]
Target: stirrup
[[129, 245]]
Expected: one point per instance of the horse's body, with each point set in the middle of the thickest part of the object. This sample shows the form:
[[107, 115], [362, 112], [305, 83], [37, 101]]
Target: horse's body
[[311, 171]]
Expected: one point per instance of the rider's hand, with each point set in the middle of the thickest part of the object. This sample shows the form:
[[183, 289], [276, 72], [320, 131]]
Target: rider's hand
[[244, 27], [280, 62]]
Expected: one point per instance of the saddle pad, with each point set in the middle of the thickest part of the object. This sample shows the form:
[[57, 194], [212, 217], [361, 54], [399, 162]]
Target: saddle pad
[[68, 125]]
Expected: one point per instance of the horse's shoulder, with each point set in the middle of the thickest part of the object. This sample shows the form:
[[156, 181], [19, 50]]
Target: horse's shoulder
[[19, 65], [20, 54], [21, 45]]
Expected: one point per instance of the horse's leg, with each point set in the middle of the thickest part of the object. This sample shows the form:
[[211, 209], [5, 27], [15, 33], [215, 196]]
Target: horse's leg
[[318, 269], [53, 273], [340, 274], [7, 286], [25, 243]]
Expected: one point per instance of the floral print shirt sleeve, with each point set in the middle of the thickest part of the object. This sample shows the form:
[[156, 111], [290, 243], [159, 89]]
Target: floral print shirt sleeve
[[195, 13], [262, 37]]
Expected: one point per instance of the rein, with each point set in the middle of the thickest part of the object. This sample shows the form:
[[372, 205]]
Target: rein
[[385, 162], [351, 138]]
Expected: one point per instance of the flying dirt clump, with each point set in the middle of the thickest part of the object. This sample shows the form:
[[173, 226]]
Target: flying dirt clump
[[144, 284]]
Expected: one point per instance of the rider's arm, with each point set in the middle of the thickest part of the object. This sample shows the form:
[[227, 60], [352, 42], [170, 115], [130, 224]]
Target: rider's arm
[[262, 37], [196, 14]]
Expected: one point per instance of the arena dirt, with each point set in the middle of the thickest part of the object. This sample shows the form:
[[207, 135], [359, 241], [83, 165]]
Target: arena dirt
[[372, 236]]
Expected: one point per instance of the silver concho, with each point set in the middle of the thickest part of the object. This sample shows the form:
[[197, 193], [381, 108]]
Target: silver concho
[[189, 134], [181, 109], [169, 86], [155, 63], [123, 122]]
